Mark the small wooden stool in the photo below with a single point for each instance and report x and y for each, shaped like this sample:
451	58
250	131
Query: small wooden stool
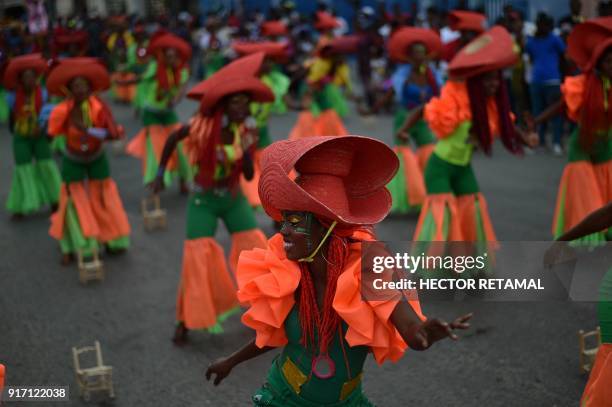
95	378
92	269
587	355
153	215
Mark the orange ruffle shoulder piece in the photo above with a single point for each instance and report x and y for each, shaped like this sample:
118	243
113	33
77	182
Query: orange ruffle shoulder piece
573	94
444	113
267	280
58	118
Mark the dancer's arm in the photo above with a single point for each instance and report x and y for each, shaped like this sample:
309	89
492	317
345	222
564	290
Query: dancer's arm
223	366
415	115
550	112
420	335
596	221
158	184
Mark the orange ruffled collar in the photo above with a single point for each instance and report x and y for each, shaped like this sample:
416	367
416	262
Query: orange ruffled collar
267	280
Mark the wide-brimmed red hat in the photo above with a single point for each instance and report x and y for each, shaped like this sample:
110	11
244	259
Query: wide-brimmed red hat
68	69
279	51
588	41
73	37
169	40
460	20
339	178
22	63
230	82
347	44
404	37
245	66
274	28
490	51
326	21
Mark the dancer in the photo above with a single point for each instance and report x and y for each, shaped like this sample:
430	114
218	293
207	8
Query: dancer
166	78
90	209
414	83
269	73
220	140
466	116
327	73
586	183
36	179
304	288
120	46
597	391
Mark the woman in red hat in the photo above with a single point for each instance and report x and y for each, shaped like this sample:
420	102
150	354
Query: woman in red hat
305	287
586	183
36	179
270	74
328	72
165	80
220	141
120	46
415	81
472	109
90	209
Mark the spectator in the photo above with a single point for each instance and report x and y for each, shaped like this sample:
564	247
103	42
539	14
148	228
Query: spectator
545	51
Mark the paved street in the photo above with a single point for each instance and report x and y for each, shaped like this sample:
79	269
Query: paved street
516	354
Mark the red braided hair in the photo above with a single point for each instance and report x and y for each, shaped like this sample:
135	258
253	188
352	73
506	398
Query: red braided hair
480	115
327	321
595	117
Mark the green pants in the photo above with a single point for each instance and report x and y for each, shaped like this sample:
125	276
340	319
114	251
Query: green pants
26	149
444	177
164	118
206	207
600	152
74	171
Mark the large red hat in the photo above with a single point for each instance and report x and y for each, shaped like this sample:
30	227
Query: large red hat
168	40
21	63
230	82
340	178
588	41
326	21
460	20
245	66
490	51
274	28
406	36
347	44
275	50
68	69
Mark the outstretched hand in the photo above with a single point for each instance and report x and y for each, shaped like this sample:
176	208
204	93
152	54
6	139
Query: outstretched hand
436	329
157	185
221	368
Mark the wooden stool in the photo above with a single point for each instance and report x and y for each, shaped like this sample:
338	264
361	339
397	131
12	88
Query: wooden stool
95	378
587	355
92	269
153	215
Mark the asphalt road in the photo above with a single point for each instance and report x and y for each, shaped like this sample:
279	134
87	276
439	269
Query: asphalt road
516	354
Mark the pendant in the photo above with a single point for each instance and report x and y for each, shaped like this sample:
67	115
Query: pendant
323	367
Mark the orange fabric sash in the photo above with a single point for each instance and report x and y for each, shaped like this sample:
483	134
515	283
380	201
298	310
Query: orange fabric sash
414	177
598	390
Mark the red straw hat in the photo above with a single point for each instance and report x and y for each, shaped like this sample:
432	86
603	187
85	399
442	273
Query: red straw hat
404	37
326	21
232	82
588	41
275	50
274	28
490	51
21	63
70	68
347	44
459	20
340	178
168	40
245	66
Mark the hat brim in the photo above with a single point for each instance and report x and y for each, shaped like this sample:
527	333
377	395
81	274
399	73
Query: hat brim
345	45
168	40
368	199
404	37
274	28
257	90
586	38
95	73
491	51
245	66
460	20
22	63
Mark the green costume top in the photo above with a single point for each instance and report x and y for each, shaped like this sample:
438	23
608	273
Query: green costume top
150	100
